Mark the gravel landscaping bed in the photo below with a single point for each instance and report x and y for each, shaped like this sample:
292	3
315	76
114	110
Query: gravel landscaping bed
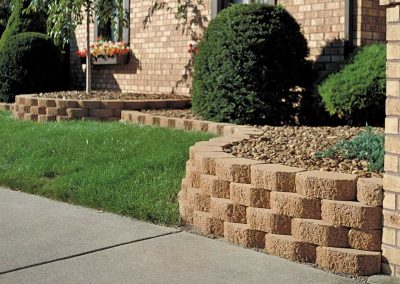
179	113
297	145
107	95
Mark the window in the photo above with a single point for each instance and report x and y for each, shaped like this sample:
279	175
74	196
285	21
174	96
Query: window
113	30
218	5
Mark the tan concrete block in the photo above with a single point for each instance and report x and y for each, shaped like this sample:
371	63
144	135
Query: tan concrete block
214	187
274	177
193	176
63	118
184	124
235	169
370	191
351	214
46	118
167	122
199	125
38	110
203	148
112	104
242	235
88	104
47	103
290	248
206	224
30	117
265	220
370	240
225	209
100	113
198	201
350	261
327	185
205	162
318	232
66	104
248	195
31	101
77	112
295	205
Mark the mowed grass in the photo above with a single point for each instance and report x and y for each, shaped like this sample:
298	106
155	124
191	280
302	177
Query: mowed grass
126	169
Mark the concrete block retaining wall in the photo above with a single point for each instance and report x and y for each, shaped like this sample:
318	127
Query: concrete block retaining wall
331	219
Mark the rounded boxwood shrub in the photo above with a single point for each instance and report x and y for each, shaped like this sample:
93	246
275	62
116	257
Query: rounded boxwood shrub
249	59
357	92
29	63
20	22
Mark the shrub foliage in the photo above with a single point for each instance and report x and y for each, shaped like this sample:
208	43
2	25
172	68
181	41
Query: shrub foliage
249	59
29	62
368	145
357	92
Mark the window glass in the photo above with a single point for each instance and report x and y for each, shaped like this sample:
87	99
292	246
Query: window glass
113	30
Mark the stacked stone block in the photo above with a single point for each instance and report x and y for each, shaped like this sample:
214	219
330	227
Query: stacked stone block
31	108
391	184
331	219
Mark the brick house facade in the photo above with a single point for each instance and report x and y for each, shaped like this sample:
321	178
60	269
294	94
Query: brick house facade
159	59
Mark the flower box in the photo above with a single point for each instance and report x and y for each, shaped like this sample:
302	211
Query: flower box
106	53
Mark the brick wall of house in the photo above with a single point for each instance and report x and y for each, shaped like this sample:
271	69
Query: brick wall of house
160	51
391	182
159	55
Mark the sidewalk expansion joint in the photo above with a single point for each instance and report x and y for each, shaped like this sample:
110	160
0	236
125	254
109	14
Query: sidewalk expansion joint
87	252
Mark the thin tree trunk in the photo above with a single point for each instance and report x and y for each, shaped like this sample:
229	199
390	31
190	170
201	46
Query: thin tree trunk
88	54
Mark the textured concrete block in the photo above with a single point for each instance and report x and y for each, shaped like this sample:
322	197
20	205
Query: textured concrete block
242	235
248	195
30	117
265	220
198	201
205	162
318	232
295	205
100	113
274	177
370	191
46	118
193	176
193	150
327	185
112	104
235	169
89	104
350	261
290	248
206	224
226	210
66	104
167	122
215	187
47	103
54	111
38	110
370	240
351	214
77	112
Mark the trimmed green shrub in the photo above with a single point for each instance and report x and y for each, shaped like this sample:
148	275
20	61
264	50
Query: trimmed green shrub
5	12
249	59
29	63
20	22
357	92
368	145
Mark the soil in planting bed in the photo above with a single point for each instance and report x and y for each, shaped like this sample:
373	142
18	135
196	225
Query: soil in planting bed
107	95
296	146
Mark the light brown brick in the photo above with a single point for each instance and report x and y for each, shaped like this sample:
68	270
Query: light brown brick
370	240
391	183
198	201
205	162
248	195
391	219
351	214
295	205
327	185
370	191
274	177
235	169
389	236
265	220
215	187
242	235
350	261
206	224
318	232
225	209
290	248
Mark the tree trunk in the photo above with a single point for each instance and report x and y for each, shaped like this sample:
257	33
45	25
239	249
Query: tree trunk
88	54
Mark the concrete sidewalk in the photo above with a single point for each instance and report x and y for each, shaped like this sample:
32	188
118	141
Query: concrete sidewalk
43	241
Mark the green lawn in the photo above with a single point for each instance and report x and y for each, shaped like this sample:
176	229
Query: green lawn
125	169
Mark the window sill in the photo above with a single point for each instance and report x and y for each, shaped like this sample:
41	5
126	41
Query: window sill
116	60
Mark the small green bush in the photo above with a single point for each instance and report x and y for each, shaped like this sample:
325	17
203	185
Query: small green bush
357	92
29	62
368	145
20	22
249	59
5	12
